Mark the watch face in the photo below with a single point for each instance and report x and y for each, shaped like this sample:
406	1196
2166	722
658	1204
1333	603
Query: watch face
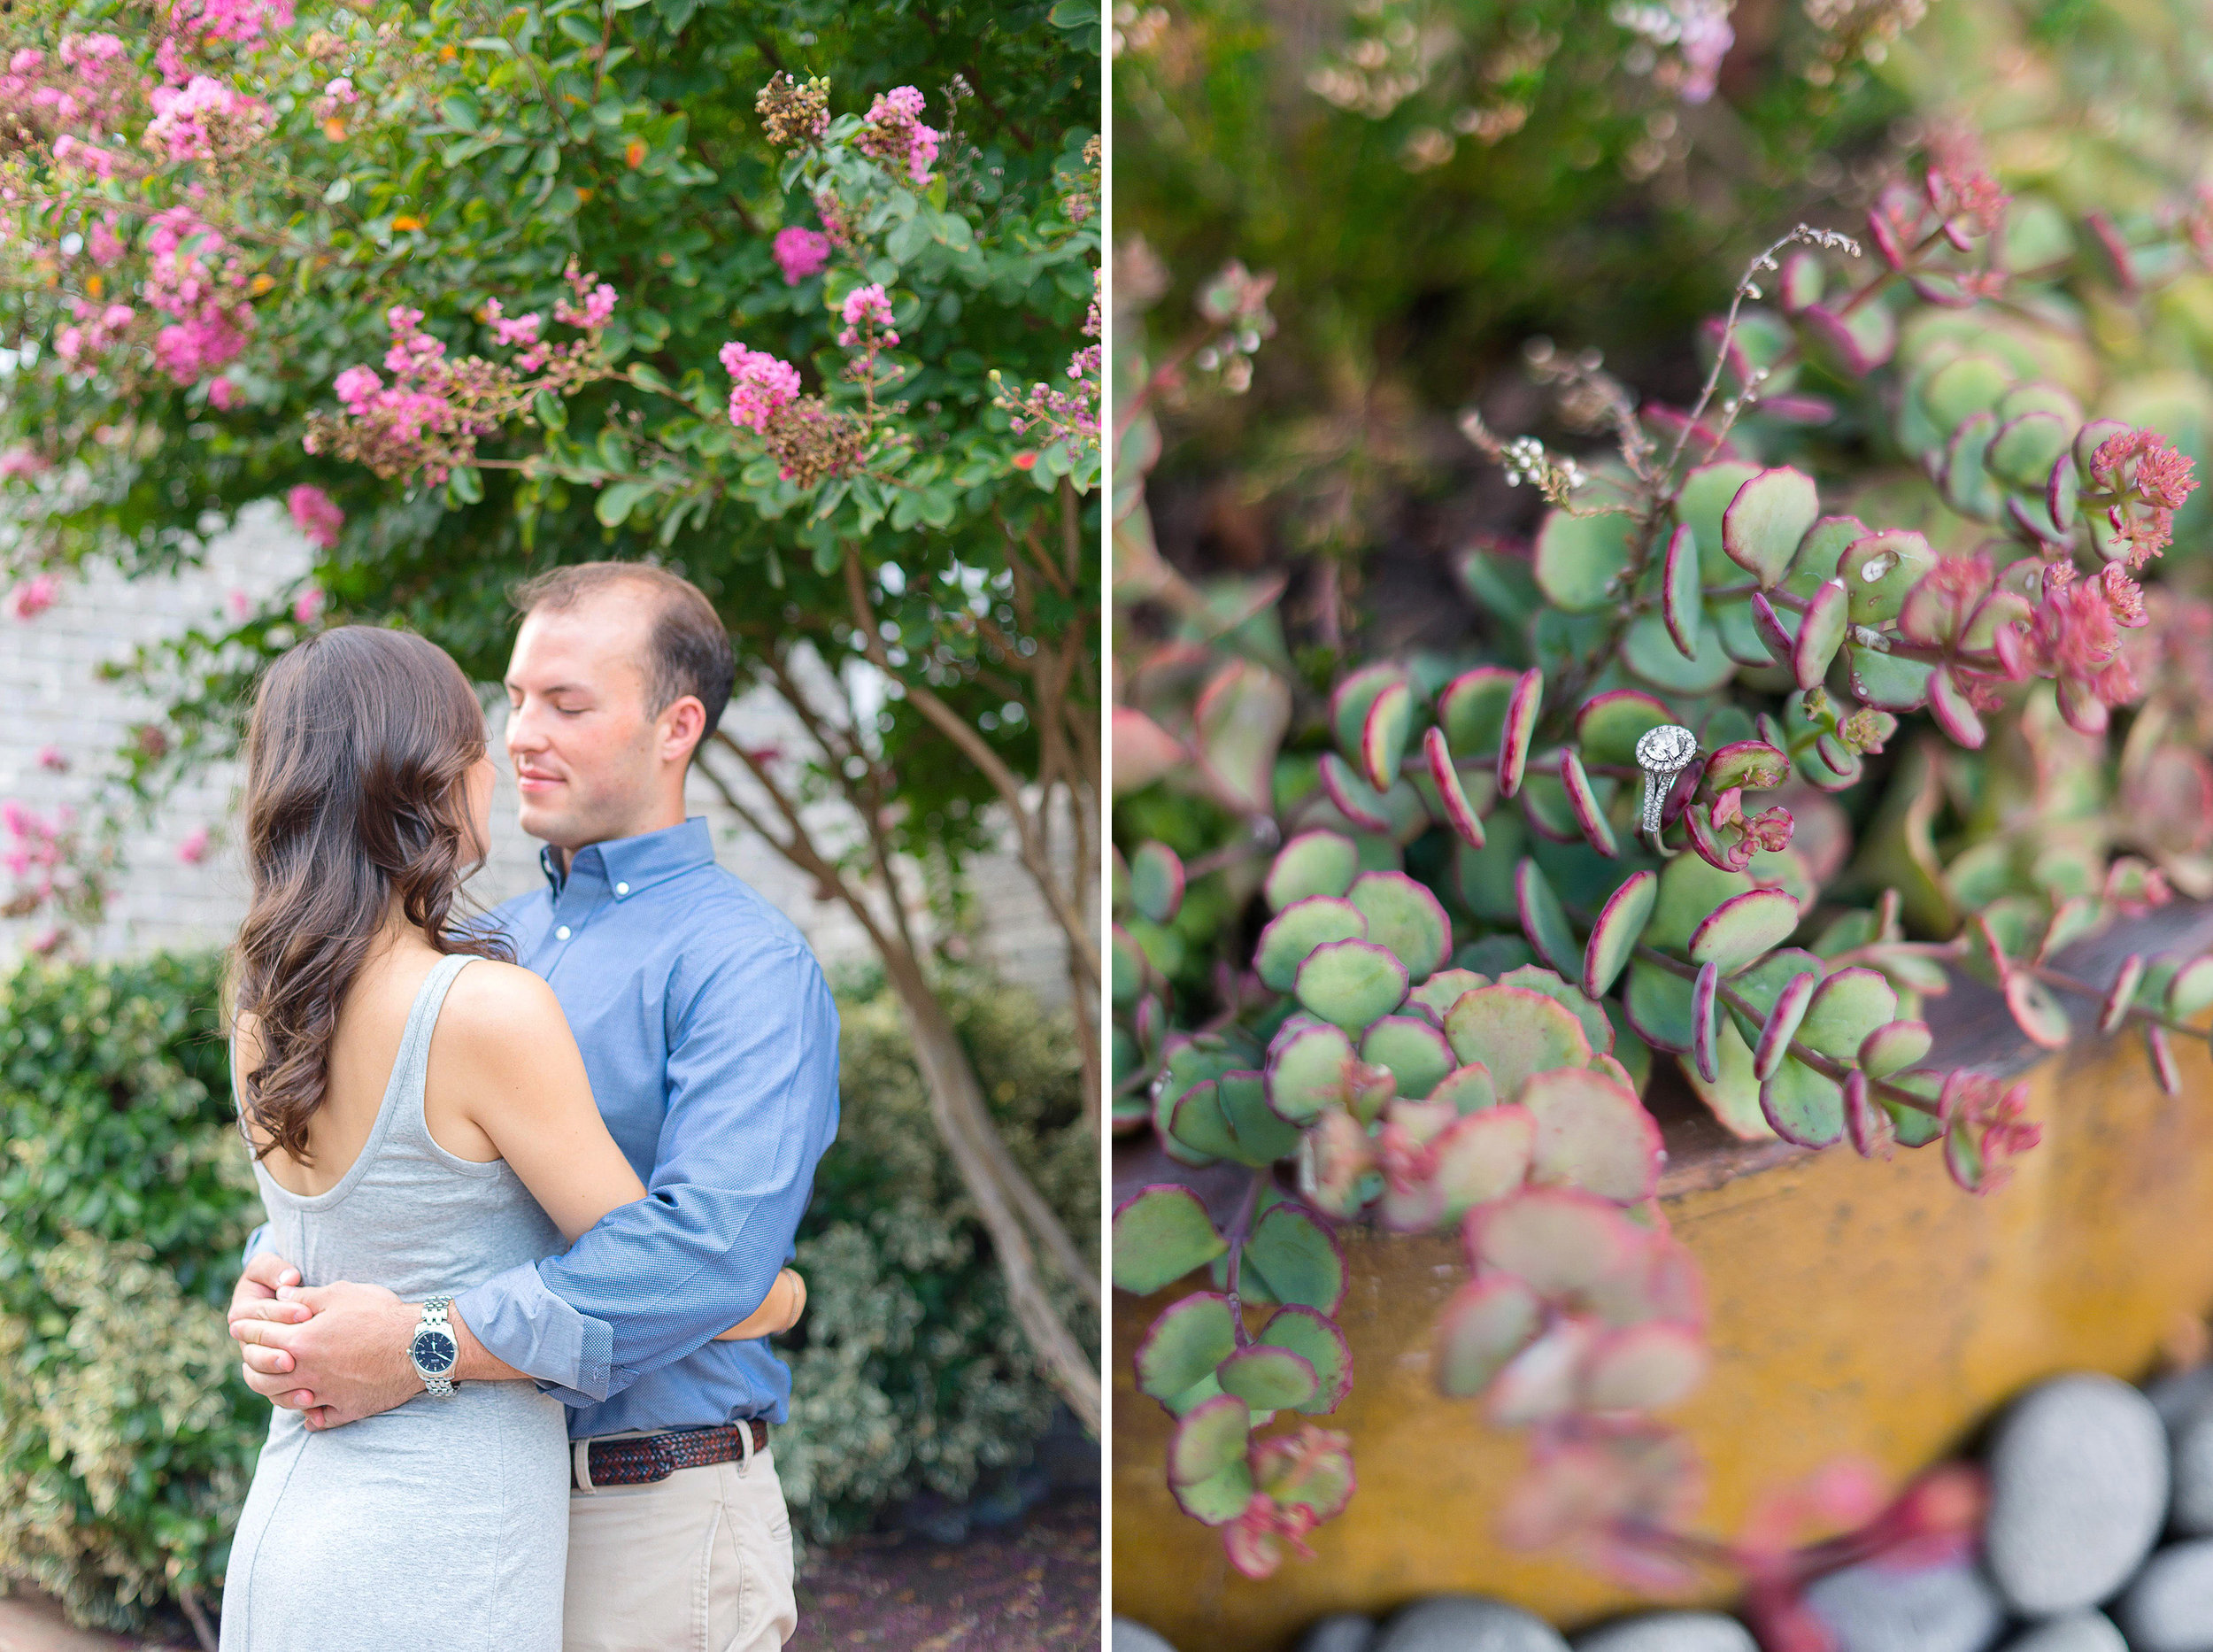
433	1351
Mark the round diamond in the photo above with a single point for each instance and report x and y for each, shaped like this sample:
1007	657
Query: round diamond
1666	749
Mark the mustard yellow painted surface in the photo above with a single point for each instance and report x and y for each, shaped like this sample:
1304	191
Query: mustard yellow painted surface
1868	1308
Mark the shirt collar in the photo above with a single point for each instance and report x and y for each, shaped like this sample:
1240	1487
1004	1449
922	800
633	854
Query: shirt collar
629	864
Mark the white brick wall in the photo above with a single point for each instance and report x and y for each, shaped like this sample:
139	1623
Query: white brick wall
51	695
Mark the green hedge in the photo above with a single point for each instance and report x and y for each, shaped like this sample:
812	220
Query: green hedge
127	1440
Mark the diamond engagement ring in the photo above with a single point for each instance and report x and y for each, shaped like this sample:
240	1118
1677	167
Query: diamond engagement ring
1663	753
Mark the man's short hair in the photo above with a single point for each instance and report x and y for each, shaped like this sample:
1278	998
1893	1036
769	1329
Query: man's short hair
688	652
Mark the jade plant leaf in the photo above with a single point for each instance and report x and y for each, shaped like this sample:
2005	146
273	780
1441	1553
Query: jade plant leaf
1321	1345
1705	1029
1515	1032
1579	558
1880	571
1614	935
1848	1007
1557	1240
1519	729
1358	801
1442	991
1350	983
1195	1123
1309	1066
1764	522
1818	553
1888	681
1954	712
1690	889
1206	1466
1481	1156
1156	882
1593	1134
1542	1380
1350	704
1404	918
1416	1052
1821	630
1609	725
1544	920
1893	1047
1451	797
1801	1105
1184	1345
1700	505
1485	1324
1468	1088
1382	740
1741	928
1241	719
1581	1005
1160	1236
1732	1096
2025	449
1294	1260
1582	799
1649	650
2037	1010
1657	1004
1682	592
1782	1025
1312	864
1644	1368
1471	708
2190	990
1754	765
1299	928
1269	1378
1260	1135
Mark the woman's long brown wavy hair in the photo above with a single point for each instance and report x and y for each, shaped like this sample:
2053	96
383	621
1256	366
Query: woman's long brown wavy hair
355	758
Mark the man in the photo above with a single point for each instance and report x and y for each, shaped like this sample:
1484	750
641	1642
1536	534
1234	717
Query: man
711	1041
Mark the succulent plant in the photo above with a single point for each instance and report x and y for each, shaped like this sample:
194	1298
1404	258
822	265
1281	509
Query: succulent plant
1679	802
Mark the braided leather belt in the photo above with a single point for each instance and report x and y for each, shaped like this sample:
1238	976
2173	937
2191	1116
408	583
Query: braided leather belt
650	1457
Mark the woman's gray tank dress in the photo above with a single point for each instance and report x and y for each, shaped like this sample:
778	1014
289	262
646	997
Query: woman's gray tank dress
441	1523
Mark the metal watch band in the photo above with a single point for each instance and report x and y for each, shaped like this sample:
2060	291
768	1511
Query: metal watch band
438	1384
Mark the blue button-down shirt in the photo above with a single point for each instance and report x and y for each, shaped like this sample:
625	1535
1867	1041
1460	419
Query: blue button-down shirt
710	1040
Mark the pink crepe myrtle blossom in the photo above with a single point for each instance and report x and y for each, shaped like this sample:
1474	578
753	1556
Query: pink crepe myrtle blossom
47	942
867	312
513	329
31	597
800	252
307	607
22	461
339	94
892	131
2148	480
354	386
206	121
237	606
764	386
205	300
316	514
53	758
593	307
222	394
238	21
103	243
192	848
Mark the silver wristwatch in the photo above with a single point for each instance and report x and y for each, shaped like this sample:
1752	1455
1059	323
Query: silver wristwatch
432	1350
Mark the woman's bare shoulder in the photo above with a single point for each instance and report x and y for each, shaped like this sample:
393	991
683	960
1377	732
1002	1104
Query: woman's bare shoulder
501	1005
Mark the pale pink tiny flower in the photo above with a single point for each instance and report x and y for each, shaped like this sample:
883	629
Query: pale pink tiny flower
193	849
54	759
32	597
238	605
315	514
307	607
222	394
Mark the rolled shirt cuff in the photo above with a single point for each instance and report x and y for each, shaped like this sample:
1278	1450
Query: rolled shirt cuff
257	1242
517	1320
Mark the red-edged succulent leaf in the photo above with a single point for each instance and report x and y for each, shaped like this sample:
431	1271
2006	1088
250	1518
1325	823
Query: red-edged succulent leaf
1764	522
1340	1156
1382	739
1644	1368
1895	1047
1614	933
2161	1051
1295	1260
1460	814
1544	1379
1847	1007
1801	1105
1821	630
1486	1322
1471	708
1311	1472
1309	1067
1316	1340
1438	995
1143	750
1589	814
1350	702
1782	1025
2062	489
1519	729
1747	765
1161	1235
1869	1126
1184	1345
1515	1032
1405	919
1743	926
1358	801
1544	920
1468	1088
1596	1027
1269	1378
1241	718
1415	1052
2190	990
1593	1134
1559	1242
1777	639
1609	725
1206	1466
1704	990
1312	864
1156	882
1953	711
1299	928
1682	592
1475	1159
1350	983
2037	1010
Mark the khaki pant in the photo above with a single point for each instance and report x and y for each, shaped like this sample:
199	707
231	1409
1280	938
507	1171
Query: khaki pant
700	1561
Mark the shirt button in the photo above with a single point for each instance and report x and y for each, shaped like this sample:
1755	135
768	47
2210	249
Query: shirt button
561	934
621	889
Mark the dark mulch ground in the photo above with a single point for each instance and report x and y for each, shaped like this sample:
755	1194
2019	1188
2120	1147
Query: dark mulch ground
1030	1585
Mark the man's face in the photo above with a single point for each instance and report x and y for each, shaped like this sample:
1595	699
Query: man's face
587	752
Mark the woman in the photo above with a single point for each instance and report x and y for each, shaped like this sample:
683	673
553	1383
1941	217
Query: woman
420	1117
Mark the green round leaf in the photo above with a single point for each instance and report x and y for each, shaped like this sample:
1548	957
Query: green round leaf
1592	1134
2190	990
1471	709
1579	557
1416	1052
1260	1135
1486	1324
1764	522
1821	630
1519	729
1269	1378
1614	935
1515	1032
1682	592
2026	448
1308	1065
1879	570
1894	1047
1782	1025
1299	928
1481	1156
1382	740
1741	928
1160	1236
1818	551
1321	1345
1690	889
1649	652
1350	983
1848	1007
1312	864
1964	387
1295	1260
1802	1106
1544	920
1587	1010
1468	1088
1184	1345
1556	1240
1700	507
1733	1097
1156	882
1657	1005
1442	991
1349	705
1754	765
1404	918
1645	1368
1609	725
1206	1466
